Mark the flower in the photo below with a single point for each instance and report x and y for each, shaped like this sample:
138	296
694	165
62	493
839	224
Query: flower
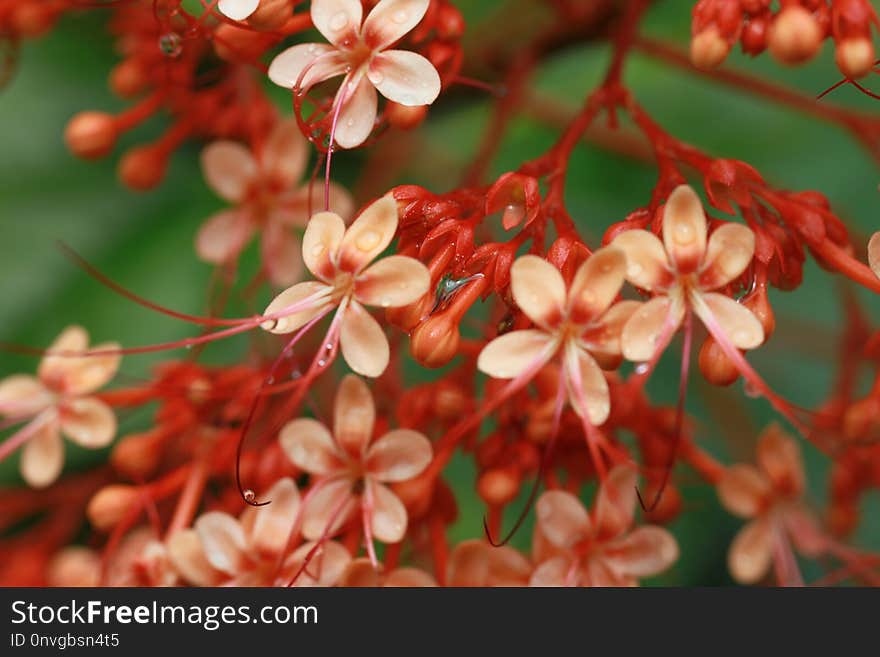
339	259
59	401
770	496
237	10
477	564
362	573
682	271
263	187
360	52
577	548
250	550
352	470
580	322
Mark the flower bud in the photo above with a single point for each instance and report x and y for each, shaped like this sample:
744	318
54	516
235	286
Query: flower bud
498	486
860	418
143	168
855	57
128	78
668	506
843	519
32	19
74	567
716	367
91	135
795	36
137	455
760	306
236	44
435	341
754	35
450	22
709	49
110	504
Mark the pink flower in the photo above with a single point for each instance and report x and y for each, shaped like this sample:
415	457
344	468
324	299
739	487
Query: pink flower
578	548
249	550
477	564
360	53
362	573
338	257
265	190
58	401
682	271
352	470
770	496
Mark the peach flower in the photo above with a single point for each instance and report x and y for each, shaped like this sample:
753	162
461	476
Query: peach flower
360	51
338	257
579	323
598	549
682	271
59	401
361	573
250	550
477	564
769	495
352	470
265	189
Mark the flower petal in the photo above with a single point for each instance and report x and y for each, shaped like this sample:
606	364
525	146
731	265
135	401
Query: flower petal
321	242
237	10
874	253
647	265
354	414
729	252
388	516
645	552
409	578
333	499
314	62
362	340
751	552
398	456
602	339
616	502
188	557
55	370
309	445
270	525
282	255
591	394
23	395
779	456
739	323
596	284
285	153
357	118
640	334
538	289
88	422
360	573
405	77
327	567
337	19
42	457
509	355
474	563
294	296
229	169
743	490
221	238
562	518
392	282
392	19
684	229
223	540
369	235
553	572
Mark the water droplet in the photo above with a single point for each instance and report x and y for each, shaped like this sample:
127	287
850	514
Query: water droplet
376	77
400	16
250	495
170	44
641	368
318	249
350	123
368	240
339	21
271	380
313	48
684	233
385	302
634	269
329	346
741	336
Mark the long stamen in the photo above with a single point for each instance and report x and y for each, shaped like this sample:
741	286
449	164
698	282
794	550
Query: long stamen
24	434
679	415
343	96
367	519
325	535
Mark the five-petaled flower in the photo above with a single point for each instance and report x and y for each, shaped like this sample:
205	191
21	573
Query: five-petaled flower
681	272
59	401
264	186
252	550
574	547
339	258
580	323
352	470
769	495
361	53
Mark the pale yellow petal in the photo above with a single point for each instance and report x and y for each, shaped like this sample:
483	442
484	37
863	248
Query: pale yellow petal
363	343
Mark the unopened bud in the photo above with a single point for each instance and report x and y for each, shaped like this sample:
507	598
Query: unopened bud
91	135
110	504
137	455
270	14
143	168
128	78
795	36
716	367
435	341
855	57
709	49
405	117
498	486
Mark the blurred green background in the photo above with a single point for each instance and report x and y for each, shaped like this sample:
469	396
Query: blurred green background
145	241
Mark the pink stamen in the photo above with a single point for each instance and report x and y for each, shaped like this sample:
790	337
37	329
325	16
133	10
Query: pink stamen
24	434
